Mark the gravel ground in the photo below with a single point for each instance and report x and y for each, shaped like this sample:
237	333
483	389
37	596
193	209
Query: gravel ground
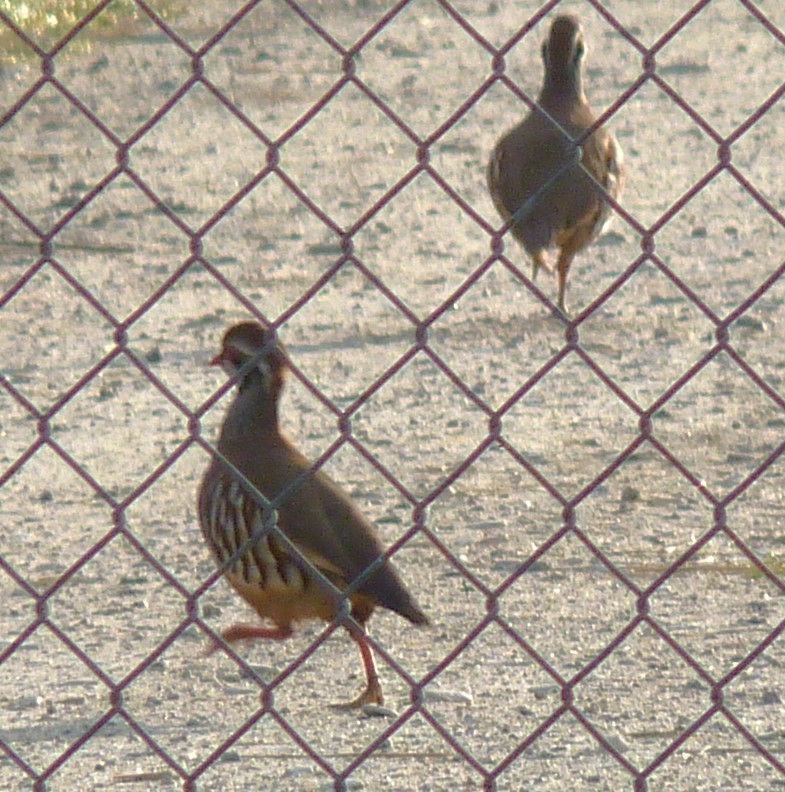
496	527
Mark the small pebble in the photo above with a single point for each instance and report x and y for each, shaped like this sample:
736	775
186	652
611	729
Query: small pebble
544	691
488	525
618	744
377	711
630	494
750	323
24	703
264	672
297	771
451	696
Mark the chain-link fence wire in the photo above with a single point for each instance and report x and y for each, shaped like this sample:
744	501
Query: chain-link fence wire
587	507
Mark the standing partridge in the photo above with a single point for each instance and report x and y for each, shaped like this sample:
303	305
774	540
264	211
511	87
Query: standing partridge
544	176
313	512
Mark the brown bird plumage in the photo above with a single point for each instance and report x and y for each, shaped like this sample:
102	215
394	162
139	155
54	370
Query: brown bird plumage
317	516
535	176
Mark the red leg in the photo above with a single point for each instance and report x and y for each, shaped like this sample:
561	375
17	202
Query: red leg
562	268
245	632
569	247
538	260
373	688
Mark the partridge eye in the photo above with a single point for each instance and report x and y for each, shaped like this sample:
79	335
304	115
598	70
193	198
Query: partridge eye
580	50
233	355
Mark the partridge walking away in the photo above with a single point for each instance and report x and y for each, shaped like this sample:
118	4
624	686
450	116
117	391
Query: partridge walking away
551	191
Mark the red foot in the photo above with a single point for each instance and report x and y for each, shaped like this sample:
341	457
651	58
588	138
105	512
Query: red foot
373	689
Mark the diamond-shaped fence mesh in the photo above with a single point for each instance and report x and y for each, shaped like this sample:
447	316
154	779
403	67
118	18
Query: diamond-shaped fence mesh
588	507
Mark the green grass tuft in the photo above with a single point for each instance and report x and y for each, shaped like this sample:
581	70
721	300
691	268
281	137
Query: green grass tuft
47	21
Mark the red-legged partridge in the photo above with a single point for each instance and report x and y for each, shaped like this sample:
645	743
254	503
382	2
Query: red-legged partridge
317	516
553	193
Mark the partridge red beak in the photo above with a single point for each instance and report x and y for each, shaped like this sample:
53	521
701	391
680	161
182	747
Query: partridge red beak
216	361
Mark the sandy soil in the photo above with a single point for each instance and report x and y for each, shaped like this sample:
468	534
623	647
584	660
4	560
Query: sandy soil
422	260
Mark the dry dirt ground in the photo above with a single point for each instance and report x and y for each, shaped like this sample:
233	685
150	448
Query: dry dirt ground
411	258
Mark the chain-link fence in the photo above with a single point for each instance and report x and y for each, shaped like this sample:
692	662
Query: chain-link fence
587	507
